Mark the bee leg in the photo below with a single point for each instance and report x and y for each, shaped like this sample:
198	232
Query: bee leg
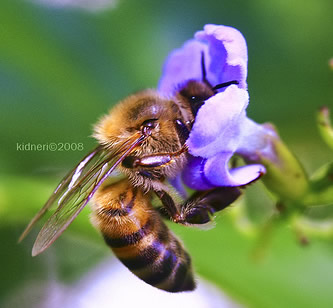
200	207
152	161
169	208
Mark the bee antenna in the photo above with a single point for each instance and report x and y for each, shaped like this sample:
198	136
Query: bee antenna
203	68
225	84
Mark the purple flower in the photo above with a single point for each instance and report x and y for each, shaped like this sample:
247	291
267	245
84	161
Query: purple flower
221	128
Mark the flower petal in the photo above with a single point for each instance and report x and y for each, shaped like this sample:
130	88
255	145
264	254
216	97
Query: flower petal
218	125
225	55
227	52
182	64
203	174
256	141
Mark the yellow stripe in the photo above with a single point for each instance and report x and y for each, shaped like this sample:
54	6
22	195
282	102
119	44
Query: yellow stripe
134	250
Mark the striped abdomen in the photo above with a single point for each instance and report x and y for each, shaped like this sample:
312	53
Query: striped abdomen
140	239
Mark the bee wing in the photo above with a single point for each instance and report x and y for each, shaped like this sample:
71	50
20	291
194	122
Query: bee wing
76	189
60	190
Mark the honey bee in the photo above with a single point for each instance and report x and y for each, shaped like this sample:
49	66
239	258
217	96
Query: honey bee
144	136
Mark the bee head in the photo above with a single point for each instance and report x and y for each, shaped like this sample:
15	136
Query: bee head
146	113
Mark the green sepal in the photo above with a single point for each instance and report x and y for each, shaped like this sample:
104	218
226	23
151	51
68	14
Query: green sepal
285	176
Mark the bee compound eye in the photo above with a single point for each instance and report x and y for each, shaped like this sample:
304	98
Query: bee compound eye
148	125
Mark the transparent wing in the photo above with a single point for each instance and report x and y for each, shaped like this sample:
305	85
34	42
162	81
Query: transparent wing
76	189
60	190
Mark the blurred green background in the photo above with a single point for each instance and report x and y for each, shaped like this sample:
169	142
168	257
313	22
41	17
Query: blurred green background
60	70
